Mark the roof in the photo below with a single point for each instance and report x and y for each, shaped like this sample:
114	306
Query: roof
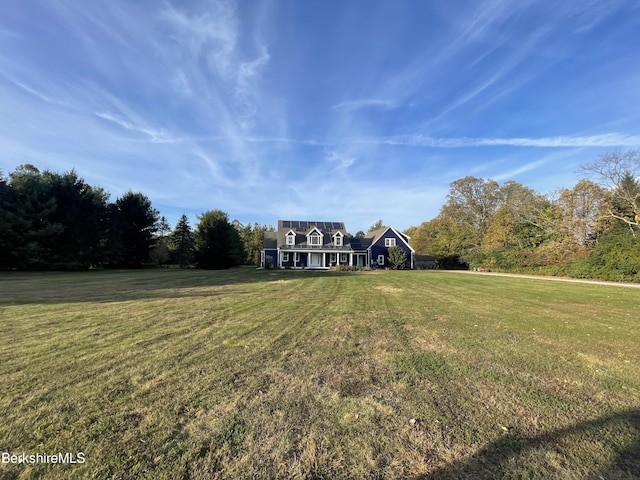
376	234
270	240
360	243
303	227
307	225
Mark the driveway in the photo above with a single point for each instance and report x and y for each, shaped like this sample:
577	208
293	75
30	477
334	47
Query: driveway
552	279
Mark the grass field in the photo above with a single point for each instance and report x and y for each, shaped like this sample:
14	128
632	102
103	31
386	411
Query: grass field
170	374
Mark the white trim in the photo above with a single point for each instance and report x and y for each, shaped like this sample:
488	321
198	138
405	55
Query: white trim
399	235
318	235
285	256
380	259
290	235
338	239
319	257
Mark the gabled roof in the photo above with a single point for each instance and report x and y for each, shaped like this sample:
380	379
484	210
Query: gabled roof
381	232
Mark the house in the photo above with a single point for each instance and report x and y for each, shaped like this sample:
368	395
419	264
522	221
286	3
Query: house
321	245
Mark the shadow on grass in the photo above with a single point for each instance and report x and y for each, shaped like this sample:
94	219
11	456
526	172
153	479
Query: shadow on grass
497	459
103	286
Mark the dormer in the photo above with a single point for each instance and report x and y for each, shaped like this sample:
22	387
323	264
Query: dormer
338	239
290	238
314	237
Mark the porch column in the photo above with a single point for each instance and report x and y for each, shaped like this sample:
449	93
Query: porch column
351	259
324	259
308	259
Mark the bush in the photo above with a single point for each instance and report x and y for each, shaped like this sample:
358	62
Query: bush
397	258
344	268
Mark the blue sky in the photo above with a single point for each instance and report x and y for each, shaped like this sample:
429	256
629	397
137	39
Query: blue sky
328	110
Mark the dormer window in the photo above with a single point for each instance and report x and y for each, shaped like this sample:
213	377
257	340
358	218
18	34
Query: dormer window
291	238
337	239
315	239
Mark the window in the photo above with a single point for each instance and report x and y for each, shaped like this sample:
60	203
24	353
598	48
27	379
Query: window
338	241
332	257
389	242
380	259
296	257
315	239
285	257
343	257
291	239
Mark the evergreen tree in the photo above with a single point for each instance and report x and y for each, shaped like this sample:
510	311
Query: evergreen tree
34	224
132	225
8	237
218	243
397	258
182	242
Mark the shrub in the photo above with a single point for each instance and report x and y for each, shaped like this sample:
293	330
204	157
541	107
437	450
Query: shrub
397	258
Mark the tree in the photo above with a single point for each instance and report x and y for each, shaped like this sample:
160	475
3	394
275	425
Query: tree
580	208
80	210
520	221
8	237
252	238
376	226
218	244
619	173
472	202
133	223
34	224
397	258
360	234
182	242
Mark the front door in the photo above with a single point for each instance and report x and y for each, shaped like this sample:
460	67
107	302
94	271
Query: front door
315	260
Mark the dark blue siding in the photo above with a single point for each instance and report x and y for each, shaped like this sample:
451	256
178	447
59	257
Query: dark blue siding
378	248
274	257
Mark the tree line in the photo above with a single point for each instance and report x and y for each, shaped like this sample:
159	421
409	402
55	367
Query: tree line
52	220
587	231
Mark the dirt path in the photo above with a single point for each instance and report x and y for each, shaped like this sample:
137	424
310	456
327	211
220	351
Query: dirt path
553	279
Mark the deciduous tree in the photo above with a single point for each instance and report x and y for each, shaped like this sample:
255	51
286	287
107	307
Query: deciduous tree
619	173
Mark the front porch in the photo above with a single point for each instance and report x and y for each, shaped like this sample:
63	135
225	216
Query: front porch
319	260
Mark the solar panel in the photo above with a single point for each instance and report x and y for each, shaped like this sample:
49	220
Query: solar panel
286	224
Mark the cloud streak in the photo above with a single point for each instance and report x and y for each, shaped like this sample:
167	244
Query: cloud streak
601	140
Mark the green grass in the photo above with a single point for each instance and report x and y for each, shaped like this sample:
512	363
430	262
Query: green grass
169	374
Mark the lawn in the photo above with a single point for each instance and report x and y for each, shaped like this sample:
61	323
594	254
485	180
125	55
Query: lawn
170	374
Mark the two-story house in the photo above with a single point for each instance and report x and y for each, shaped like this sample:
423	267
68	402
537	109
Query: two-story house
307	244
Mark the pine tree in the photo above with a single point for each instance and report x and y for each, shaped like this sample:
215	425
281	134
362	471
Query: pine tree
182	242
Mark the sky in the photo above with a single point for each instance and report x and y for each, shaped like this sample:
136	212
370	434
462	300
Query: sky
334	110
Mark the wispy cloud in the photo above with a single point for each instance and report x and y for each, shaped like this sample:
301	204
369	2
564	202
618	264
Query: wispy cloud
155	136
31	90
601	140
364	103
